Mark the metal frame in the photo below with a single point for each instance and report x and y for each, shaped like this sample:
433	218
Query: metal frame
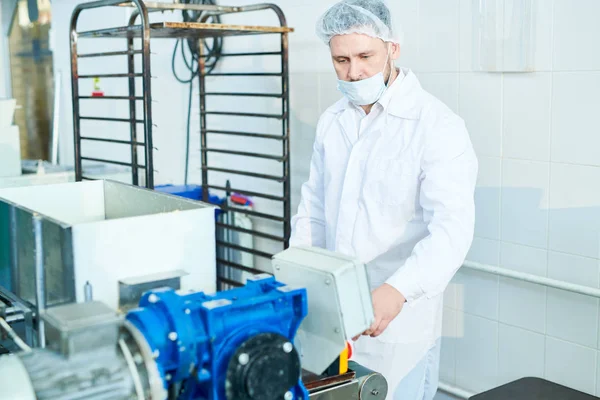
144	30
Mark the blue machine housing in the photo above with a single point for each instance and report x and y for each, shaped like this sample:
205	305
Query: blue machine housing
194	336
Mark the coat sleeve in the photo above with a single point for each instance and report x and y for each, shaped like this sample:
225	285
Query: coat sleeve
308	225
449	172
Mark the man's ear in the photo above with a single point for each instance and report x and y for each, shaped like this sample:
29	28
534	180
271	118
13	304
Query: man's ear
395	53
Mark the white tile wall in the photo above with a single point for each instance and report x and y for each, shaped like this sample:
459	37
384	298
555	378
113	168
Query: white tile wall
522	304
544	10
570	364
405	20
575	101
525	198
526	107
465	17
438	35
571	316
477	293
574	210
521	353
524	258
448	350
575	30
487	198
444	86
477	353
480	104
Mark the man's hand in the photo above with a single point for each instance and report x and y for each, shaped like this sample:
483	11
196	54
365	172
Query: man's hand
387	304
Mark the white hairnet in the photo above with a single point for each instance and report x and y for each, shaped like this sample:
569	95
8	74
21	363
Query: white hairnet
369	17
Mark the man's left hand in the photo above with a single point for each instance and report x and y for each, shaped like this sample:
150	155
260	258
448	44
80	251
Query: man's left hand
387	304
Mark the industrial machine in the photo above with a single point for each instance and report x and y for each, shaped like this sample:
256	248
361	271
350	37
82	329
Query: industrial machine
124	335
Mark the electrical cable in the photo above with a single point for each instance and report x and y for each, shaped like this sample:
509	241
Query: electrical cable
212	55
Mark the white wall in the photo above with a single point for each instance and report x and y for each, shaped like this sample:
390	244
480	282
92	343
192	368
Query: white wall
538	196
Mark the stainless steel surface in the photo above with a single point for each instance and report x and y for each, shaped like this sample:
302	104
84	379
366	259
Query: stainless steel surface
79	220
55	119
14	254
372	385
40	279
131	290
125	201
347	391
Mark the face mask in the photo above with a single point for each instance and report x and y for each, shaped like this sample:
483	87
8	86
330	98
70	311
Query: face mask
366	91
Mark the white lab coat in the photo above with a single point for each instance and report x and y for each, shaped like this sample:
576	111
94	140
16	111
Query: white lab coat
394	188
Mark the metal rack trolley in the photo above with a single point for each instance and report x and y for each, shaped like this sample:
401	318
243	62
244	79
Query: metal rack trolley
201	30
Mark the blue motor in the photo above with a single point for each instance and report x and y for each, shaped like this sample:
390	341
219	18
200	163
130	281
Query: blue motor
234	345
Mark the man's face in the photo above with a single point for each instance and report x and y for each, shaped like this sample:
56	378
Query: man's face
356	57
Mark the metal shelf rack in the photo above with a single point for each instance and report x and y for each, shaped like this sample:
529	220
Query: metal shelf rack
138	141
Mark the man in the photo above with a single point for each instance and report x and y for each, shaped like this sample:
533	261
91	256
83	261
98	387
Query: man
392	182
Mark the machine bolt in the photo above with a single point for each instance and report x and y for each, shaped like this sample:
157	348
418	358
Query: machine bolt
288	395
277	267
328	282
288	347
375	392
155	353
173	336
337	330
168	377
187	311
138	358
153	298
243	359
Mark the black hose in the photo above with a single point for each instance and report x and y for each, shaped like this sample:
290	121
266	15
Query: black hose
211	56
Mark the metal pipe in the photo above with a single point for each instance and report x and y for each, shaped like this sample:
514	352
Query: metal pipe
132	110
125	164
139	121
56	119
246	173
239	266
540	280
287	212
250	232
245	249
455	391
181	6
252	213
241	114
75	93
248	193
244	134
129	75
263	53
244	74
95	139
110	98
142	13
244	153
109	54
40	279
202	100
273	95
14	251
